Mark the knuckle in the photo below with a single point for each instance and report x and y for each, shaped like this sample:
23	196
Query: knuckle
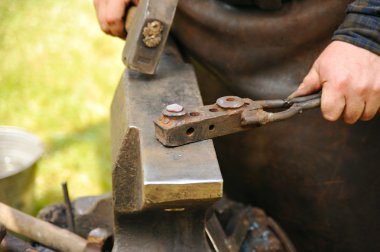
330	117
367	116
307	79
360	89
104	27
112	20
376	89
350	119
343	81
329	114
331	111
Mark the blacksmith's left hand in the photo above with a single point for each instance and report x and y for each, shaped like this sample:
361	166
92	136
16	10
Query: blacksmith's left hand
349	77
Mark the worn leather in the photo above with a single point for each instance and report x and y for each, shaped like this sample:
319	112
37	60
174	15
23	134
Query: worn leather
318	179
250	49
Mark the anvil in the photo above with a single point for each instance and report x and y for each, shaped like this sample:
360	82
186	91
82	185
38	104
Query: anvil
160	194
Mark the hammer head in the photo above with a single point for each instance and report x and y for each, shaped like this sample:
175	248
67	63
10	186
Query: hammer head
148	34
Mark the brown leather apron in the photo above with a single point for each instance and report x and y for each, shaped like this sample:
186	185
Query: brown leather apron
320	180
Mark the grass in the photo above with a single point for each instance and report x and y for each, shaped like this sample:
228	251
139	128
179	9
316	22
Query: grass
58	72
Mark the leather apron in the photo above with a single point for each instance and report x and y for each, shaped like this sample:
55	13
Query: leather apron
319	180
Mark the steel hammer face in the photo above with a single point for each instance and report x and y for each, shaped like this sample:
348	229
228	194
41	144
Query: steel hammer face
148	34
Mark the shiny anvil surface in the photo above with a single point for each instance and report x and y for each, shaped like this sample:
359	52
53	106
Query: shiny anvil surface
145	173
160	194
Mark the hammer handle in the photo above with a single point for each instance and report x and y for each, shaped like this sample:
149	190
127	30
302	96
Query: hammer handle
40	231
129	17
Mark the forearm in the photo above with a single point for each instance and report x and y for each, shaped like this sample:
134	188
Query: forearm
361	26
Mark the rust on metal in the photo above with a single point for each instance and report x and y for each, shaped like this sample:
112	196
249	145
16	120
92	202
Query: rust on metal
97	239
230	114
230	102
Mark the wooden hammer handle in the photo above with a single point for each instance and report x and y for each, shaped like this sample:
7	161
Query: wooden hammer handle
129	17
40	231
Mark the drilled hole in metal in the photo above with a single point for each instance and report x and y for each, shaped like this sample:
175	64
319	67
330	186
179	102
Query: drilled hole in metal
213	110
194	113
190	131
211	127
230	99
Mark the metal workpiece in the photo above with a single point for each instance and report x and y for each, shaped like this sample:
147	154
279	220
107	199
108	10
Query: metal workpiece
230	102
230	114
159	194
147	35
174	110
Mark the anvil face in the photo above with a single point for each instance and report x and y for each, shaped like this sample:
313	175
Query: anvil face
145	173
160	194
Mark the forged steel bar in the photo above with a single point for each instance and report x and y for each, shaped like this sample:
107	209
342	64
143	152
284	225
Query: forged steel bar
230	114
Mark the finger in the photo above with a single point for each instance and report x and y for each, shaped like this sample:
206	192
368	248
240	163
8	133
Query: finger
353	110
101	10
310	84
332	102
115	16
370	110
135	2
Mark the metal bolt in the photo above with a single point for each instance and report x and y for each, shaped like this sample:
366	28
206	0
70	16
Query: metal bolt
152	34
230	102
175	108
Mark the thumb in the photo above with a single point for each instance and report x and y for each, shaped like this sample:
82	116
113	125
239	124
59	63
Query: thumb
310	84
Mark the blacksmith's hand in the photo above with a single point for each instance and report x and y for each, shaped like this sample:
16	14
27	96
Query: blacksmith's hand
349	77
111	15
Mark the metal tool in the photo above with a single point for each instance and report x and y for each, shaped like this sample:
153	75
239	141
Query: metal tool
230	114
147	34
160	195
232	226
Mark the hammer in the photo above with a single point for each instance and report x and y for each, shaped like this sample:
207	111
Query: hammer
148	27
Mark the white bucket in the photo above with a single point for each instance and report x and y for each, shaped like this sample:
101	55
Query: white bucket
19	152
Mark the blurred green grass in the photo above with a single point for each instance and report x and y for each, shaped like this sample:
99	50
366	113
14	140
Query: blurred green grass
58	72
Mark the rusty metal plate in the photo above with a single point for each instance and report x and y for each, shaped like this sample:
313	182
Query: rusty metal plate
230	114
